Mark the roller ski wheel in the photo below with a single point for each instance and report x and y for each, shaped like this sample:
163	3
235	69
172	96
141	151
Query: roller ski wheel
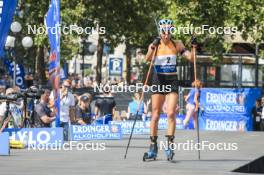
169	154
170	147
149	156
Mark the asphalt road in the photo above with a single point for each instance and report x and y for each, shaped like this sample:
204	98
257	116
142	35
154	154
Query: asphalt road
110	161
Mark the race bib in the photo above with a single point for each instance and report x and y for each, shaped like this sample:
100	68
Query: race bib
165	64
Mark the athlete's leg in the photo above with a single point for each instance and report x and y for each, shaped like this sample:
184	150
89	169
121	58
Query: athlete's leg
157	102
195	119
172	101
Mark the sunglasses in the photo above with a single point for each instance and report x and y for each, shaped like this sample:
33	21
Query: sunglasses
67	86
164	33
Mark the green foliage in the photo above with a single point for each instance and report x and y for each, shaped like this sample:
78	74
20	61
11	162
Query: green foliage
88	72
247	16
132	22
31	13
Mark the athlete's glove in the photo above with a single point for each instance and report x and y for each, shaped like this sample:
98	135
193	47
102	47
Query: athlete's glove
194	42
156	41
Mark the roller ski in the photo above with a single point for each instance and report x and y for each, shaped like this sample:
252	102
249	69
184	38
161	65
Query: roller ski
153	150
170	147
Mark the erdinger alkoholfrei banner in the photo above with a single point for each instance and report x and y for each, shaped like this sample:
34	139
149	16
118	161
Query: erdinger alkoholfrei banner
52	26
227	109
7	9
143	127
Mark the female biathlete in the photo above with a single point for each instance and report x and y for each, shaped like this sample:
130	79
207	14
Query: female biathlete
164	74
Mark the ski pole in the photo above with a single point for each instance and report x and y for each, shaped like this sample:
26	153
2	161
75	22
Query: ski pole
197	105
142	93
141	99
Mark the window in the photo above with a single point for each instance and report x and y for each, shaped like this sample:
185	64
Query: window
248	75
86	66
229	75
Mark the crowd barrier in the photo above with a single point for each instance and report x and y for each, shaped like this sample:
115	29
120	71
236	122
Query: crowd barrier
220	109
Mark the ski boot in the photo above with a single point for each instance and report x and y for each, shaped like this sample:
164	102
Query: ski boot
153	149
170	147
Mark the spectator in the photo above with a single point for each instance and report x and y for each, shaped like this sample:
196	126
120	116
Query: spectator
83	111
105	106
88	82
134	106
29	80
67	104
262	115
85	81
5	81
43	116
79	84
256	111
114	81
76	99
73	84
2	88
192	100
20	101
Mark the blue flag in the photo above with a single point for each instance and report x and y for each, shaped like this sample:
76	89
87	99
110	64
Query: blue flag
7	9
53	26
20	72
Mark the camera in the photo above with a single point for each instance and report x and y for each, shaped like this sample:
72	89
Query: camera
11	97
33	92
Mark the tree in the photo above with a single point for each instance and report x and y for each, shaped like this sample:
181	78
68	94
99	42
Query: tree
247	16
140	29
198	13
125	22
32	14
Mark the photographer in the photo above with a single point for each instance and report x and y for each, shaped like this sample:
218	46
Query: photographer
43	115
15	110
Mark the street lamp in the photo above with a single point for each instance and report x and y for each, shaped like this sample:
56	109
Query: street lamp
27	42
10	42
16	27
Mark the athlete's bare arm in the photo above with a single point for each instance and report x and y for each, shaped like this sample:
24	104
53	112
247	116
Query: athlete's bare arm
151	50
185	53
